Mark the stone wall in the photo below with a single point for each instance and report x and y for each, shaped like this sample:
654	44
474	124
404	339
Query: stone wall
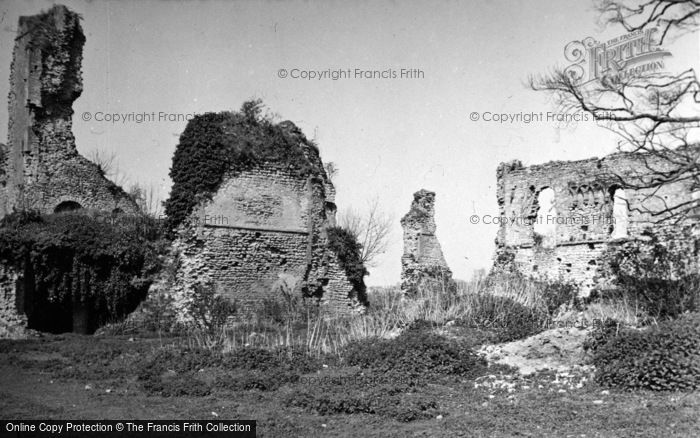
592	209
422	262
12	319
41	168
261	234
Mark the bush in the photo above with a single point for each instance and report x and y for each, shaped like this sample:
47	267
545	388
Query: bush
659	275
666	357
507	318
214	144
210	311
80	257
554	294
165	370
158	313
601	335
415	354
180	385
364	394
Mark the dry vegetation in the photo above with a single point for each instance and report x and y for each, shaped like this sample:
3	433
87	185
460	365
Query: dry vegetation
389	372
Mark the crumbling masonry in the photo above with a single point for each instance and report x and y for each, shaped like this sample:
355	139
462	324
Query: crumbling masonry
40	168
560	217
262	236
422	264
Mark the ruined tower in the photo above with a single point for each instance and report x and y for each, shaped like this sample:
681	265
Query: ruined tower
40	168
262	235
422	263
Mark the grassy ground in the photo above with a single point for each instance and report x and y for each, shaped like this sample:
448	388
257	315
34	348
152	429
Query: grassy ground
70	376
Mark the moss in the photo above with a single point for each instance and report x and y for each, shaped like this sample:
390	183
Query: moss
214	145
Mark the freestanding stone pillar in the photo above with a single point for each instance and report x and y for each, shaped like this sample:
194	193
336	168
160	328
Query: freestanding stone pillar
423	265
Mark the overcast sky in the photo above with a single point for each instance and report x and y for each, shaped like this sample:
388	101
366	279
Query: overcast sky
389	137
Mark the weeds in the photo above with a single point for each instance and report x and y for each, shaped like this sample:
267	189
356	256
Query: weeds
507	308
662	357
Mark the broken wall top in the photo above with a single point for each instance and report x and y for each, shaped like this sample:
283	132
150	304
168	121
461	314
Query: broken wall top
423	262
583	196
215	149
53	42
422	211
41	168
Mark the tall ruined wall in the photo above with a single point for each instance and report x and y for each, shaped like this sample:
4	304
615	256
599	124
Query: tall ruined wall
41	168
422	261
591	210
262	234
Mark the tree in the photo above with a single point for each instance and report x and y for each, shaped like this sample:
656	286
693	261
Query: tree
656	114
331	170
371	230
146	199
108	166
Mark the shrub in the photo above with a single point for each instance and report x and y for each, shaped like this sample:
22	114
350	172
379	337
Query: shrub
254	379
180	385
210	311
364	394
659	275
554	294
507	318
80	257
158	313
243	369
214	144
666	357
415	354
601	334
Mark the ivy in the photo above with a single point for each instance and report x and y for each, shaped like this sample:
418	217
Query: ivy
214	145
343	243
76	257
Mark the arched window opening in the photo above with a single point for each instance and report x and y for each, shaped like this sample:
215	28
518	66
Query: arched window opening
620	213
695	211
67	206
545	226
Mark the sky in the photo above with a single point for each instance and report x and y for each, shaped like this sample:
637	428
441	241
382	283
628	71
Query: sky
388	136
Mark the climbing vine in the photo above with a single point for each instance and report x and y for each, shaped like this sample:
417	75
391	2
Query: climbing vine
215	144
75	257
343	243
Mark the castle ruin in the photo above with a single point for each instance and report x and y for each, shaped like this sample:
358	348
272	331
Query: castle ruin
40	167
559	218
263	235
422	264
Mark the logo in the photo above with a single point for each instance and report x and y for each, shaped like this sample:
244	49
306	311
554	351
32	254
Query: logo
630	55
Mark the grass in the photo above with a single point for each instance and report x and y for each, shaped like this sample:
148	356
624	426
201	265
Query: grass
37	382
509	307
302	372
304	325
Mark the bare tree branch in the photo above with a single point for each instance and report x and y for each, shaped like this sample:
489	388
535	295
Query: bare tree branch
371	230
656	115
146	198
671	16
